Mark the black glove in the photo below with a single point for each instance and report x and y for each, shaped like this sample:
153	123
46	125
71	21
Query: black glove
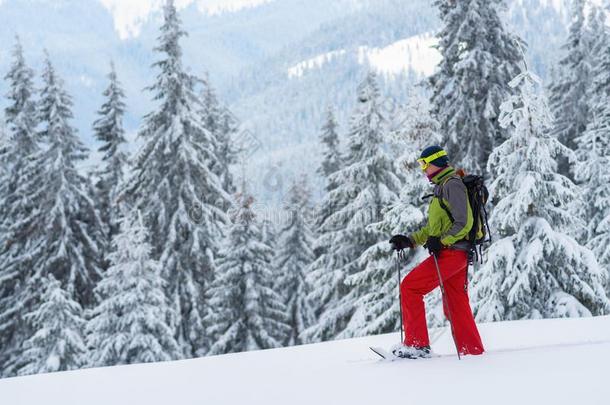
434	245
400	242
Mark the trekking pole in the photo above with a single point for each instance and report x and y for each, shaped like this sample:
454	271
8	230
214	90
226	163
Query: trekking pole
398	256
446	305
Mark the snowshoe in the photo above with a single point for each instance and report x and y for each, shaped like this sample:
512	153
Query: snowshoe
411	352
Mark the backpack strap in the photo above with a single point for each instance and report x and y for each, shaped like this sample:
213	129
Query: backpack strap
440	196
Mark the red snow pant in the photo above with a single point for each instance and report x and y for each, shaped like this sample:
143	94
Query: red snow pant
422	280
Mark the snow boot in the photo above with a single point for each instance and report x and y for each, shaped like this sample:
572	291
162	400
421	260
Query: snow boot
411	352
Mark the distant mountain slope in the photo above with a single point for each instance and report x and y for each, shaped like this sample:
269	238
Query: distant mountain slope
250	53
283	98
81	38
554	361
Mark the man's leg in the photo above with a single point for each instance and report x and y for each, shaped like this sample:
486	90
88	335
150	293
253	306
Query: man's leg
421	281
466	332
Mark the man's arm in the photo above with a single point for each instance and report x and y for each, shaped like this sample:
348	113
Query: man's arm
421	236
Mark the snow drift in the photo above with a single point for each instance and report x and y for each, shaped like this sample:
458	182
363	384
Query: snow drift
559	361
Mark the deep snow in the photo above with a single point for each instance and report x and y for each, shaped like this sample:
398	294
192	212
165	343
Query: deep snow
561	361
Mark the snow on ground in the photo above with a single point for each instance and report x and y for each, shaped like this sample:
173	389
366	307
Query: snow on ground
561	361
416	53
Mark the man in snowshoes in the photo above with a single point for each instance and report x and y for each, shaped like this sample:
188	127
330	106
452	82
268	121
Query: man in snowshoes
450	219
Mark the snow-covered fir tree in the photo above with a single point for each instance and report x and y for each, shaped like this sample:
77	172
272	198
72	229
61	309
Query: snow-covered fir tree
18	146
226	151
66	230
534	268
245	312
331	156
220	122
568	93
479	58
57	342
129	325
331	163
20	119
294	255
108	130
593	149
4	142
268	230
175	188
54	229
378	308
365	186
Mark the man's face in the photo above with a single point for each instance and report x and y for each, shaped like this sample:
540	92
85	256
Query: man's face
431	169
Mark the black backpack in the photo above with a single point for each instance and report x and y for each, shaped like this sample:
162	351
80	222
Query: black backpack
479	234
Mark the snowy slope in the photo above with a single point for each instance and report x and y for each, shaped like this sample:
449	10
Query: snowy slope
562	361
416	53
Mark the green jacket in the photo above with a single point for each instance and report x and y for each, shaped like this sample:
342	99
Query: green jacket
450	188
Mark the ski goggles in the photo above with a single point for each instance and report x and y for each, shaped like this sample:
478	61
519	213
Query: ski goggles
424	163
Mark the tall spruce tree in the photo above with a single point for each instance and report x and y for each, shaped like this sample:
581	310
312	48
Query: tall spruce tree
176	189
331	163
227	152
66	227
4	142
331	156
20	117
293	258
54	229
57	342
245	312
535	268
129	325
219	121
19	145
365	186
593	148
568	94
108	129
268	231
378	308
479	58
